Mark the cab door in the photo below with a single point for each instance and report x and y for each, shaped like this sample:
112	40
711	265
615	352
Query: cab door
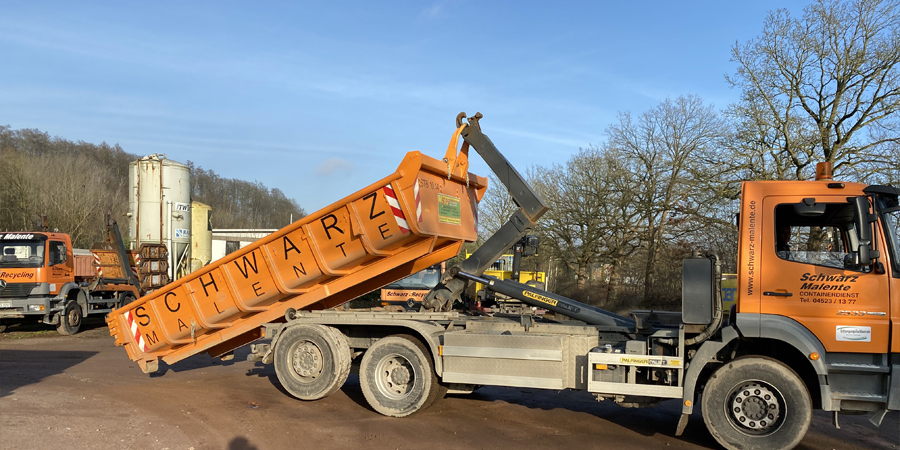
889	235
813	279
60	264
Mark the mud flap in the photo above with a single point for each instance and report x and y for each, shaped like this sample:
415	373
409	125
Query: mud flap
682	424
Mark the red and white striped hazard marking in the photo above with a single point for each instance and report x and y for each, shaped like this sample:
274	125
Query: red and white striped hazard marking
97	262
395	208
418	204
136	332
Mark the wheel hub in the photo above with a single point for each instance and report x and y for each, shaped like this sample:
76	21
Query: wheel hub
307	360
400	375
396	377
73	317
755	407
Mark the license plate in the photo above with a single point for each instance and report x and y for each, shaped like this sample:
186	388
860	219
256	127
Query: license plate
5	304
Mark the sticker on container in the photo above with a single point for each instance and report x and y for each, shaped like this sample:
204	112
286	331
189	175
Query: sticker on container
449	210
182	207
182	233
853	334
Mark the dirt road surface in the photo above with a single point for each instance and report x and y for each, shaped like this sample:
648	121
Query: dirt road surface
82	392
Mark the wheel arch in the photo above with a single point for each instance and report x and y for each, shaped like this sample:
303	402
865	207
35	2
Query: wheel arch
777	337
786	340
71	291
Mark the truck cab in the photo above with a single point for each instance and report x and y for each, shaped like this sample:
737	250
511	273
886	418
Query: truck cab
819	289
38	274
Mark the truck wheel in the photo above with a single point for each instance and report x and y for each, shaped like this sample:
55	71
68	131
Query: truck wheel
397	376
756	403
70	319
125	298
312	361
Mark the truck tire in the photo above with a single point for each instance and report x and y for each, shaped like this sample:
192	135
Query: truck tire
397	376
125	298
70	319
312	361
756	403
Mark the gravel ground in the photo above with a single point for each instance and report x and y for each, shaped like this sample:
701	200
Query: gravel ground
82	392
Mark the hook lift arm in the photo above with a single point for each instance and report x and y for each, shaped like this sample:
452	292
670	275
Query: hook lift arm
531	208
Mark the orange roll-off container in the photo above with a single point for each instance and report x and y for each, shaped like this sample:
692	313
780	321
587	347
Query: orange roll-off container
418	216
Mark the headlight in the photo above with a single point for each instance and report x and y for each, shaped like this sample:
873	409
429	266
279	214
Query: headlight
36	308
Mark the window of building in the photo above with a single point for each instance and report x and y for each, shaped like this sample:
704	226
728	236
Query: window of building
232	246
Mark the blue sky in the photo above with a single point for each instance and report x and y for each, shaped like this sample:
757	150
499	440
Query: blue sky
320	99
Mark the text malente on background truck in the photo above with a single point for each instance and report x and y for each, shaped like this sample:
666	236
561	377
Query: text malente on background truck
813	327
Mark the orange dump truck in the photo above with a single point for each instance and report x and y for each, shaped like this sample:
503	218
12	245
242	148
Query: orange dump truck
815	323
414	218
43	278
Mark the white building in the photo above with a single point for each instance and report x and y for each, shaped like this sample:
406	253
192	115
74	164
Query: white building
225	241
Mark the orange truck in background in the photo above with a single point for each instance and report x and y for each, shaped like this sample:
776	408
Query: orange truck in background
815	325
408	293
43	277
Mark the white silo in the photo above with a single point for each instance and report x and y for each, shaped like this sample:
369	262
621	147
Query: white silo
159	208
201	235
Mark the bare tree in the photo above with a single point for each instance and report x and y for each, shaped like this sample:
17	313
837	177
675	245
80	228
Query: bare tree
78	195
824	87
494	208
16	189
660	150
592	222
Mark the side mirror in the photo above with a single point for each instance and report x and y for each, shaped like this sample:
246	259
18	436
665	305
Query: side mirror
863	257
864	230
862	219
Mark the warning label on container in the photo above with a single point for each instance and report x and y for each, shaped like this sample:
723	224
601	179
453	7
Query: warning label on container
449	210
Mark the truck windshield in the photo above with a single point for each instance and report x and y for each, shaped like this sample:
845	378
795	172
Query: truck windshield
425	279
21	254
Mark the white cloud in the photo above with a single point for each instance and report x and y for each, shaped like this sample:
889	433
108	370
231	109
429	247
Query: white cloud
544	137
333	165
433	10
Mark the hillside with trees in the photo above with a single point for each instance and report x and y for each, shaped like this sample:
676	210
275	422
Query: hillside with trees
75	184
